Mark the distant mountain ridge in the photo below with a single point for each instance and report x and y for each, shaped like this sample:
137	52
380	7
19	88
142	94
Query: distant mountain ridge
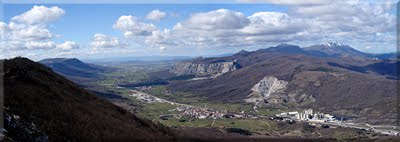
75	69
330	50
335	49
156	58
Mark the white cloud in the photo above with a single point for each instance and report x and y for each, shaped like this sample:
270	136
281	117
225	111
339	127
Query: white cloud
217	19
3	30
273	23
163	48
101	41
39	45
28	32
225	28
12	45
158	38
67	45
131	26
29	29
156	15
306	22
351	19
40	14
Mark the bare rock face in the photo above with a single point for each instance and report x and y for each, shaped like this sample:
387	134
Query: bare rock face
203	69
263	91
272	92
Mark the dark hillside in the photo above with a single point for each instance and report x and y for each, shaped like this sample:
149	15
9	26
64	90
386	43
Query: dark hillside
42	105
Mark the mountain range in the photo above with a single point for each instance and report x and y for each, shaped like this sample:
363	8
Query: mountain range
332	78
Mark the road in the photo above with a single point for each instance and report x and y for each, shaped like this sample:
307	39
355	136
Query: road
383	129
142	95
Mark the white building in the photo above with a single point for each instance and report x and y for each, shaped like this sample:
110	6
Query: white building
307	115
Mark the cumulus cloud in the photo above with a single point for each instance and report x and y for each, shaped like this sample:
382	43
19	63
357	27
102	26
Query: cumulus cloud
227	28
217	19
156	15
40	14
309	21
101	41
39	45
159	38
131	26
349	19
30	28
273	23
67	45
29	31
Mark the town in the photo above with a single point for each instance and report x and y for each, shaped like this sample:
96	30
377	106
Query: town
189	111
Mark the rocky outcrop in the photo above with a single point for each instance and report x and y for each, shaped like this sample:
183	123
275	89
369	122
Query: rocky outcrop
204	69
262	91
270	91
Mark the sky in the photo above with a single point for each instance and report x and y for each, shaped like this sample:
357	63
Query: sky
122	29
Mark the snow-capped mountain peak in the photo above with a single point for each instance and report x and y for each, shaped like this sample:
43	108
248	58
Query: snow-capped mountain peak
332	44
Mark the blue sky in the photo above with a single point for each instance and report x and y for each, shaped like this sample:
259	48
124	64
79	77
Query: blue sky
91	30
95	18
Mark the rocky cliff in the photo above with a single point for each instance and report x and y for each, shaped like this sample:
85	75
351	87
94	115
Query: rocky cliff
204	69
262	91
270	91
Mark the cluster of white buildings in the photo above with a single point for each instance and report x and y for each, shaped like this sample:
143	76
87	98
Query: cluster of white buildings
145	97
307	115
203	113
200	113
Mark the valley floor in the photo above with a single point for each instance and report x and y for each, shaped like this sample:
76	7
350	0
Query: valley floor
163	107
182	110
